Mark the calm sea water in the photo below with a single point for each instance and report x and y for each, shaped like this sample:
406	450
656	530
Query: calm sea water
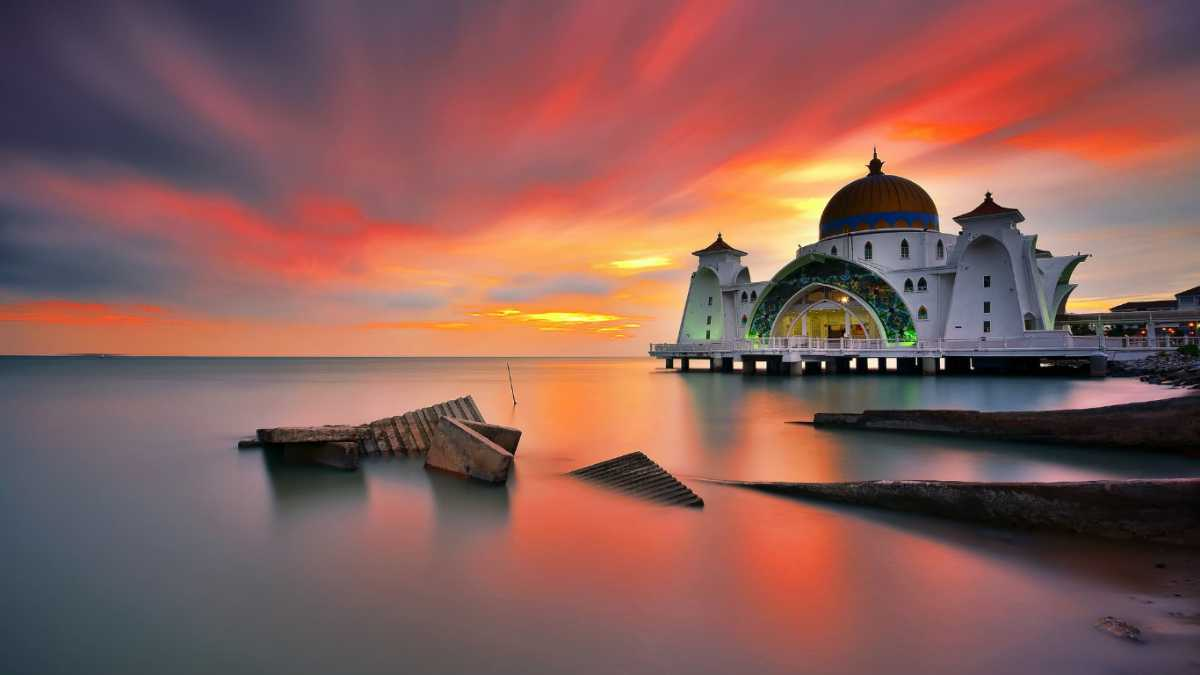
137	539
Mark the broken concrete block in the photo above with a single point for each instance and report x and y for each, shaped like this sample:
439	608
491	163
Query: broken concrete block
333	433
337	454
460	449
505	437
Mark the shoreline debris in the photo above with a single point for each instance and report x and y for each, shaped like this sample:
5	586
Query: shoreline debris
1167	425
1157	510
451	436
639	476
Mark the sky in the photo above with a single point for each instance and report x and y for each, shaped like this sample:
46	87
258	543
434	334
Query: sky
529	178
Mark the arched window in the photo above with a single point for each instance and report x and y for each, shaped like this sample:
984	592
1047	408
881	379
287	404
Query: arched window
921	285
922	314
903	248
941	249
744	296
868	251
753	296
908	286
744	319
833	251
1029	321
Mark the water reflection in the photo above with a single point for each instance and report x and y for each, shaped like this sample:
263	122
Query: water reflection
299	488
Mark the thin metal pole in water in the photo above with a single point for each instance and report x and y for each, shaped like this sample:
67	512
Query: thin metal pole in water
510	384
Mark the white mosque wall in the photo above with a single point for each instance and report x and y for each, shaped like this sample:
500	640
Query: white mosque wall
703	314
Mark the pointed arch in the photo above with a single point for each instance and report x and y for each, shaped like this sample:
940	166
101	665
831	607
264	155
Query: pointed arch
904	248
941	250
868	251
744	296
833	251
922	286
908	286
922	313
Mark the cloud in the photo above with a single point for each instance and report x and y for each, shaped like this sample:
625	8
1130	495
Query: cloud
527	288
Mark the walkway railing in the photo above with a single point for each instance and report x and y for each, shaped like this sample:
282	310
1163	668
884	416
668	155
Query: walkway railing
1043	340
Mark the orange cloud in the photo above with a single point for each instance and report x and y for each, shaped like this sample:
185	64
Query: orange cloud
72	313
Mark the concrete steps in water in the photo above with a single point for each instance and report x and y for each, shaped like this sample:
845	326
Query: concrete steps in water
637	475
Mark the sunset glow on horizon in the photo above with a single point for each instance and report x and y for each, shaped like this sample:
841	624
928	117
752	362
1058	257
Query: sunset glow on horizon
521	178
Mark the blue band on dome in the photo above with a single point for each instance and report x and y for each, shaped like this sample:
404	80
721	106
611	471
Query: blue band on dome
840	225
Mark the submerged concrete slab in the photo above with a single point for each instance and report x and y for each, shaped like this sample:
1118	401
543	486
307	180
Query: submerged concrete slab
336	454
1169	425
332	433
1157	510
459	449
638	475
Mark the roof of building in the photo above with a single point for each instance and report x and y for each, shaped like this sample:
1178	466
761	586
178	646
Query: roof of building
1143	305
718	246
878	201
1195	290
988	207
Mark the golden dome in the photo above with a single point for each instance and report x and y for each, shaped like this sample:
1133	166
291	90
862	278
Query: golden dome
878	201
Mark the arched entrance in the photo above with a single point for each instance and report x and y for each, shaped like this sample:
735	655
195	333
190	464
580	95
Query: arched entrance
824	311
876	307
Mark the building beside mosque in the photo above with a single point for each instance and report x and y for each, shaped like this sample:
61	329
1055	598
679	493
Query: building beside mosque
884	271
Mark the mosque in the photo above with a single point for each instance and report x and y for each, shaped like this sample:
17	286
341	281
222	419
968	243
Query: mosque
884	274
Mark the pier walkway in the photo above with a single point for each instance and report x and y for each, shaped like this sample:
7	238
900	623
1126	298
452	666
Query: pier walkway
1023	353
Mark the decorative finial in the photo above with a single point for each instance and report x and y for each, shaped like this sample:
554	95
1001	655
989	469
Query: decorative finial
876	164
987	196
718	235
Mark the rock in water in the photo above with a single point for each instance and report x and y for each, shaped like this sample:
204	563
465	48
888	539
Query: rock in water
1118	628
638	475
465	448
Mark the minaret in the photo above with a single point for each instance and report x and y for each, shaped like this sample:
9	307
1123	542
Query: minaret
720	265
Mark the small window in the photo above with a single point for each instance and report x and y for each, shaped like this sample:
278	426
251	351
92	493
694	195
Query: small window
707	335
941	250
987	326
868	251
708	321
987	307
753	296
1029	321
744	296
921	285
987	281
744	319
833	251
922	314
908	287
710	301
903	248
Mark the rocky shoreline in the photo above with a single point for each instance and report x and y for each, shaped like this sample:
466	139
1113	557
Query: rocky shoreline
1169	368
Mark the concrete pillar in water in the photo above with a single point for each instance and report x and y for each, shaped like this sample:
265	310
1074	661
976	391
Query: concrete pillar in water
774	365
684	365
748	365
958	364
929	365
1098	365
881	364
785	368
841	364
860	364
812	367
908	365
670	363
727	364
